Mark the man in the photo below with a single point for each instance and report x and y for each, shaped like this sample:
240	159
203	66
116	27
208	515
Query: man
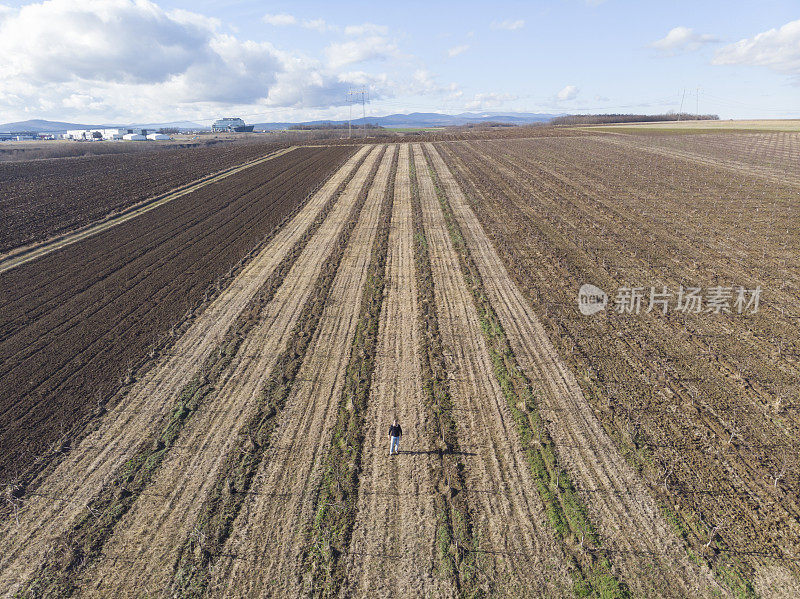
395	432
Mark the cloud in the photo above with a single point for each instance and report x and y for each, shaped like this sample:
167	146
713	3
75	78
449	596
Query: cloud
423	82
777	49
508	25
285	20
317	24
373	47
280	20
569	92
131	60
489	100
683	39
366	29
456	50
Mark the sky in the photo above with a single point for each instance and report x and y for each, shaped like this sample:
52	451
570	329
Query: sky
139	61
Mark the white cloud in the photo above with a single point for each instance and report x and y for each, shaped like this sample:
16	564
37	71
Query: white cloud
285	20
567	93
778	49
489	100
366	29
317	24
127	60
456	50
280	20
508	25
373	47
423	82
683	39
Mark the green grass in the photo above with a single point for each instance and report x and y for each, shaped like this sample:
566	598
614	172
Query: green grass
565	511
456	537
335	501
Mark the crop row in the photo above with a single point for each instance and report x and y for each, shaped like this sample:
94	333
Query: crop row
82	543
220	509
564	508
332	528
657	382
76	323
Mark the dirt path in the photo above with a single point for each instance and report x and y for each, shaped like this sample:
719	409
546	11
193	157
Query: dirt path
263	553
140	555
644	547
19	256
522	556
62	497
393	540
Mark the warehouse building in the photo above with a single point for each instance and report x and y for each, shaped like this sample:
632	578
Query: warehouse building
231	125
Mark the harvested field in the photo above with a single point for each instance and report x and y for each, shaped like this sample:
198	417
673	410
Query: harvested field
546	453
699	403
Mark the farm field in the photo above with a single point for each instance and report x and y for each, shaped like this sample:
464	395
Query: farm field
43	198
195	401
76	322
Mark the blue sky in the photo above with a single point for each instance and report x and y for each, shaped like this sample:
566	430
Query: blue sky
135	60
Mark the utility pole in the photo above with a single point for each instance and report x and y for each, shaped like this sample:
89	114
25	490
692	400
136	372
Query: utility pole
362	93
698	101
683	97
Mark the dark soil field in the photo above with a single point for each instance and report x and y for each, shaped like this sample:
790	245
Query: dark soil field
77	321
42	198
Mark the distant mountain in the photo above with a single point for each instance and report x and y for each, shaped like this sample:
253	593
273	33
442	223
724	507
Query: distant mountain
41	126
415	119
431	119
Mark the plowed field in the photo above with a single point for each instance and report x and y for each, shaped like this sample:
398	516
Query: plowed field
545	453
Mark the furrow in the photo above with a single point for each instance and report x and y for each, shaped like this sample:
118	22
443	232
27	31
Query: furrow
523	556
62	498
264	551
628	518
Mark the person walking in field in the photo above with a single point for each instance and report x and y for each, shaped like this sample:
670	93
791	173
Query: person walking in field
395	432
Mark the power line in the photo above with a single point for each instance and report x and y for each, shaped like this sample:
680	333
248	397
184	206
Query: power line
352	94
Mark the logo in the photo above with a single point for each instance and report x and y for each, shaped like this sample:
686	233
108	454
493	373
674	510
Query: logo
591	300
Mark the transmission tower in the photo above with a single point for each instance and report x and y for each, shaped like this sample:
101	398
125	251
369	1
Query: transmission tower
353	96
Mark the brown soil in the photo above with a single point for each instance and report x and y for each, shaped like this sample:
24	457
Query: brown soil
263	554
522	556
62	497
393	542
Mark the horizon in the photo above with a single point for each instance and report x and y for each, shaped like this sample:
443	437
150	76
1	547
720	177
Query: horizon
173	61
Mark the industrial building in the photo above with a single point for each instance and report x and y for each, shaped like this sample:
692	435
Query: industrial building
106	134
231	125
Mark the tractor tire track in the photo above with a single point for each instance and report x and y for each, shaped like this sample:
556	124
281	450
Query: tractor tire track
64	494
522	555
395	527
148	539
628	518
262	556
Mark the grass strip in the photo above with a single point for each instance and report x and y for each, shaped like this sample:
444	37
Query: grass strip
225	500
76	549
729	569
335	502
593	576
455	534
